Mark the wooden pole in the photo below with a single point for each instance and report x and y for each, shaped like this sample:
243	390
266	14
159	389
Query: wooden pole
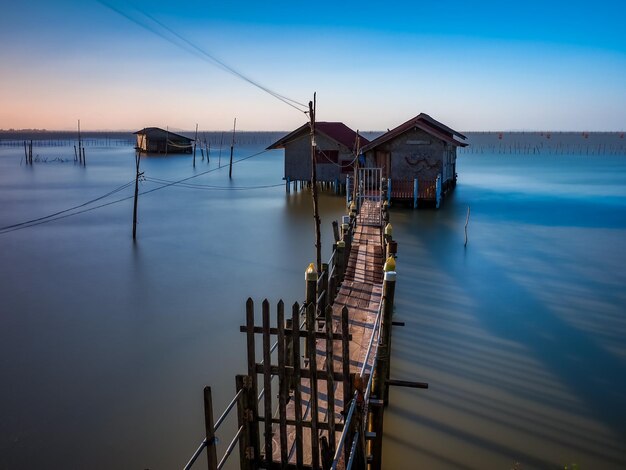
232	145
80	145
167	139
283	386
195	141
297	392
467	222
137	176
389	288
219	160
209	423
312	356
267	383
316	215
252	411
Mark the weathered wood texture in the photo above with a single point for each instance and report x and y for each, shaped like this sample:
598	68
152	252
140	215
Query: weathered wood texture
361	294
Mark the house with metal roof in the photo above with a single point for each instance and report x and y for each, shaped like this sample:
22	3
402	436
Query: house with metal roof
335	154
157	140
417	158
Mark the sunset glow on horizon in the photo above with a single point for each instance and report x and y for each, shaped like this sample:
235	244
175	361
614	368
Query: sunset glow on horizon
493	67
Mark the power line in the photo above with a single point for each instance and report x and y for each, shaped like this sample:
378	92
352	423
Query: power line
198	51
31	222
64	213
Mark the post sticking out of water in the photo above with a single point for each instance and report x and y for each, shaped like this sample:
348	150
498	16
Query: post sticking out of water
137	176
467	222
415	193
195	141
232	145
438	190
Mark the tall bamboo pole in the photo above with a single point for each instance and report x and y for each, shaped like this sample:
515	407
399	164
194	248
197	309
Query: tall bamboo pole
232	145
316	214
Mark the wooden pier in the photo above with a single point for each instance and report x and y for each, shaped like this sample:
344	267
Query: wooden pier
324	369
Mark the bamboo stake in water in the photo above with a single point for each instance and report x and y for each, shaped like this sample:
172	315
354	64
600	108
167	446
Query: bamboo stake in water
466	222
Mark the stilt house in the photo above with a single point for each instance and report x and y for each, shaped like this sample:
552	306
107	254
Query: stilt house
157	140
334	158
418	159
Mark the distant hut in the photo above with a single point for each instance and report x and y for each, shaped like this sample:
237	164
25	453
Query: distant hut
418	158
157	140
334	158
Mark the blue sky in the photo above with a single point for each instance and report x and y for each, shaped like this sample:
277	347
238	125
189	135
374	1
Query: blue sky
492	66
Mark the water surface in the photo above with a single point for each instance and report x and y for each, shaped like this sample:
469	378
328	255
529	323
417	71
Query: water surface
106	344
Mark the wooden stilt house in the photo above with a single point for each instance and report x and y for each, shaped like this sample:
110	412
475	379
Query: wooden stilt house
157	140
335	156
418	159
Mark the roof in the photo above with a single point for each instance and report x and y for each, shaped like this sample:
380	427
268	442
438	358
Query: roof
336	131
424	122
156	132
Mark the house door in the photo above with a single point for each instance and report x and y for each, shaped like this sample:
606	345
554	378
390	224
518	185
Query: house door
383	161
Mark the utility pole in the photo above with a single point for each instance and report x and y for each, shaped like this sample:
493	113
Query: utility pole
137	176
232	144
316	214
356	168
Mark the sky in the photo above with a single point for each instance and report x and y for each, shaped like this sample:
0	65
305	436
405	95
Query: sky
119	65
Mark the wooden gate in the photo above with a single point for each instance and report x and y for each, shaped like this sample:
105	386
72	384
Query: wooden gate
369	197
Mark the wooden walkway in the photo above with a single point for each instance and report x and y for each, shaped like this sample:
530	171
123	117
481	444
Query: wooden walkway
361	293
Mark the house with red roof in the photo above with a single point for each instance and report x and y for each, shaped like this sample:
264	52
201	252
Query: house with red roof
335	155
418	159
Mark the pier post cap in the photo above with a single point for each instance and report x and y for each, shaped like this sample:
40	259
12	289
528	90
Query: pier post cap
311	273
345	227
390	265
390	276
385	203
341	244
389	229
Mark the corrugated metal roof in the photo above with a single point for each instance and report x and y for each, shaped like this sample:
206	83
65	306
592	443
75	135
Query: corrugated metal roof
423	122
157	132
336	131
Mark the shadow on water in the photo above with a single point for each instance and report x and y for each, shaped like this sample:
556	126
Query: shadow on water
496	349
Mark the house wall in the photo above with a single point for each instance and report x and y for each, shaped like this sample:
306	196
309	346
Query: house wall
417	154
298	159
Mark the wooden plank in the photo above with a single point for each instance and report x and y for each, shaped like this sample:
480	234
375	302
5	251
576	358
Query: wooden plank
330	383
297	396
300	333
312	356
267	380
209	424
282	384
252	404
304	373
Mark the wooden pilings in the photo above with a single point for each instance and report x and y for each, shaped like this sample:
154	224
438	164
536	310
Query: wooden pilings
290	420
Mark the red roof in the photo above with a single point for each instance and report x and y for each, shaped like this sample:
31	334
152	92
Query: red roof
424	122
336	131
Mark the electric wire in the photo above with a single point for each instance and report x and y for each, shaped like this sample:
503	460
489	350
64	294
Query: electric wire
198	51
28	222
64	213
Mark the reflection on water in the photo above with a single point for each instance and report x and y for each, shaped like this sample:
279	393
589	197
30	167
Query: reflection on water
105	345
520	335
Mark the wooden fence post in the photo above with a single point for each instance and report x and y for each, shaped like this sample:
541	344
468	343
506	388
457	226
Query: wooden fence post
209	425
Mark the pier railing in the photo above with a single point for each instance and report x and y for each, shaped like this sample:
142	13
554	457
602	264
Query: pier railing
327	285
341	425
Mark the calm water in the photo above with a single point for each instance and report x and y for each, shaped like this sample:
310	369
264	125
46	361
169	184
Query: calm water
105	345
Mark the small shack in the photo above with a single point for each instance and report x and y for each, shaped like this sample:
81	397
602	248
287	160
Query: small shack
157	140
418	159
336	145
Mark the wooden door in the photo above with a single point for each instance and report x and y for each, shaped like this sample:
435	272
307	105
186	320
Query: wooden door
383	161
